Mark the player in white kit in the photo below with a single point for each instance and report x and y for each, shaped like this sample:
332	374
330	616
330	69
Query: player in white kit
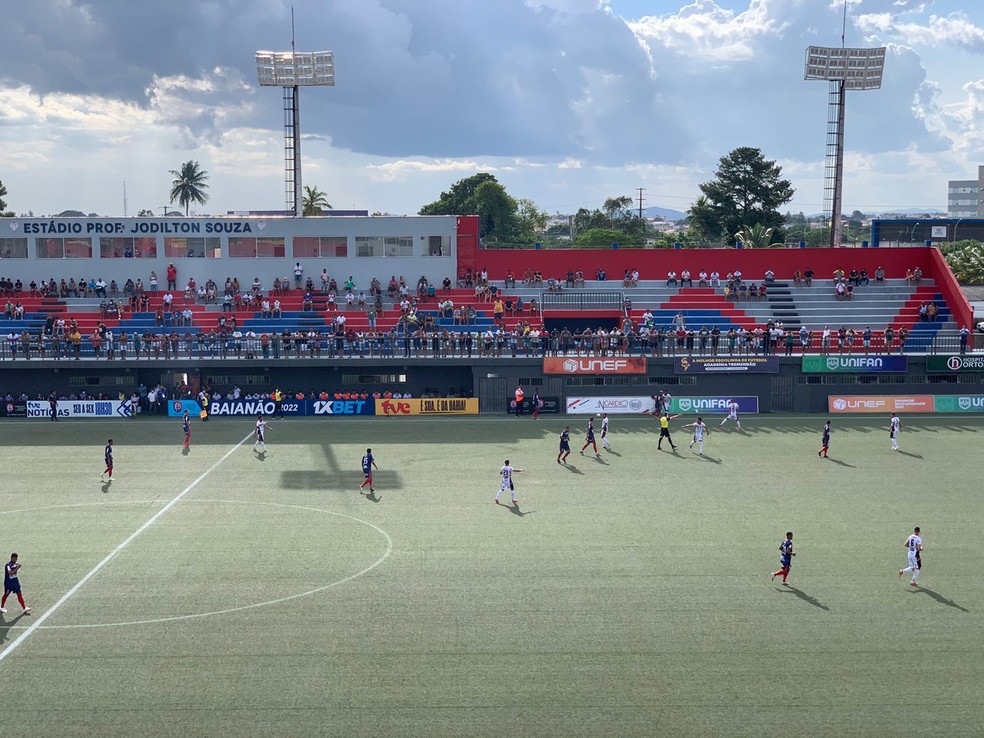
894	428
260	434
732	414
604	431
913	546
699	430
507	482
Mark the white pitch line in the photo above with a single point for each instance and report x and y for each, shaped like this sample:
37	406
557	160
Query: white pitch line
113	554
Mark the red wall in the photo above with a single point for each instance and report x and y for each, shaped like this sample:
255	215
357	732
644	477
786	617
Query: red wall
753	263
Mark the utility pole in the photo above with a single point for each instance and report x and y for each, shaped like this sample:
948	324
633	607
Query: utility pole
642	199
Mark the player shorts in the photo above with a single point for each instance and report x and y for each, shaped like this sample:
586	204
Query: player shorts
565	446
914	561
12	585
785	562
367	473
664	432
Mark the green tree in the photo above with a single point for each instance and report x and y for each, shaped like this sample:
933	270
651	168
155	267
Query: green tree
748	189
966	260
3	205
604	237
756	237
617	209
481	195
189	185
315	201
703	225
531	222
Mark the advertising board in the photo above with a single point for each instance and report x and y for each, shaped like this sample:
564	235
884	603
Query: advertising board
428	406
104	409
958	403
726	365
713	405
955	363
634	405
574	365
13	408
854	364
289	408
550	405
880	403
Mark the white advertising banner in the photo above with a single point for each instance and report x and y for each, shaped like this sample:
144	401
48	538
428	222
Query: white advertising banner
105	409
637	405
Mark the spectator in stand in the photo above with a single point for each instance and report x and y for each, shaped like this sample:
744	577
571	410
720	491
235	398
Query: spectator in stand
671	279
853	277
849	291
932	311
909	277
715	279
446	286
276	309
917	275
770	277
172	276
840	291
879	276
838	275
510	279
808	277
569	282
763	293
601	275
923	312
863	280
685	278
579	278
298	274
753	292
797	278
702	279
498	310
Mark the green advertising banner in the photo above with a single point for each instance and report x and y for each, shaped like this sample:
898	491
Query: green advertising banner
958	363
854	364
958	403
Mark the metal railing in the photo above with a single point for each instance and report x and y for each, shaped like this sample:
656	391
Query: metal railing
582	300
203	347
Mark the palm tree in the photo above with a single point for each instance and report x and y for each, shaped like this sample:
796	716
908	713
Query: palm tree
189	185
315	201
755	237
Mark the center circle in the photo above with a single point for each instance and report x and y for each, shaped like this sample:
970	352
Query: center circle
226	611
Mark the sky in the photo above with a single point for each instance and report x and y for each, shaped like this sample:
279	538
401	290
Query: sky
567	102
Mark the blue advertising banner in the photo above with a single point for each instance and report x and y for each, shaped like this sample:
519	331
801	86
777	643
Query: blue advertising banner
292	408
726	365
713	405
855	364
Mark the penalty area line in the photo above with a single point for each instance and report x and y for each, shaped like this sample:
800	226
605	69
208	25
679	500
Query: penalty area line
114	553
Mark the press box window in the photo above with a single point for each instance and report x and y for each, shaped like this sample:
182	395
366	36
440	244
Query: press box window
13	248
315	247
64	248
127	248
192	248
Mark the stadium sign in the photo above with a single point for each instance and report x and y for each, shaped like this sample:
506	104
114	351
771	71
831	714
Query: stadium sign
955	363
134	227
294	408
105	409
713	405
958	403
13	408
726	365
880	404
427	406
594	365
636	405
855	364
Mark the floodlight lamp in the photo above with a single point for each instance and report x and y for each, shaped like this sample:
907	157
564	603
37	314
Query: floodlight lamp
295	68
858	69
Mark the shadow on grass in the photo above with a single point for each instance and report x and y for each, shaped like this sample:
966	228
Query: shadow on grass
336	479
939	598
909	453
705	457
571	468
107	485
805	597
185	450
6	625
373	497
514	509
842	463
260	455
613	453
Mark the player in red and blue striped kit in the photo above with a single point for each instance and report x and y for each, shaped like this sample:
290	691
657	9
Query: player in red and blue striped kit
785	558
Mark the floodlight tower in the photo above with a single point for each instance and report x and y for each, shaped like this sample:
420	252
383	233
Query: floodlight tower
844	69
293	70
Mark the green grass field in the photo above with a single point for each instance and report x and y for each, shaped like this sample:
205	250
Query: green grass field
628	595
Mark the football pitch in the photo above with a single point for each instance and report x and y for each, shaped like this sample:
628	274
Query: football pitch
218	592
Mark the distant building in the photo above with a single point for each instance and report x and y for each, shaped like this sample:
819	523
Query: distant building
963	197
